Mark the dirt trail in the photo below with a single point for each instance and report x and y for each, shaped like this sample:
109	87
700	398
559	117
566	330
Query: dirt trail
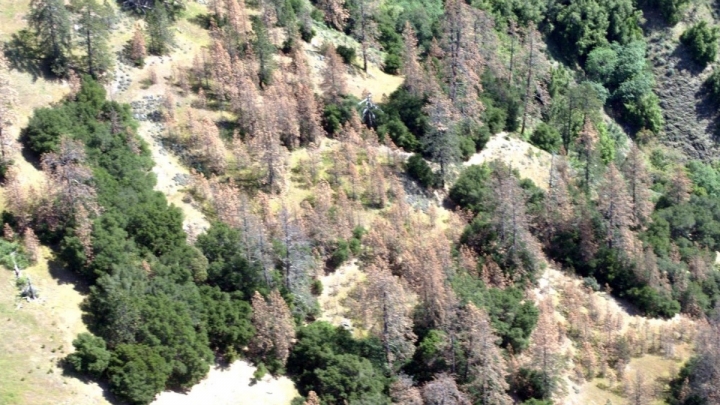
171	176
532	163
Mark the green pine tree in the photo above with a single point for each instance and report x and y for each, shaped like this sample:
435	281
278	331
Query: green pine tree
51	22
94	30
264	50
161	35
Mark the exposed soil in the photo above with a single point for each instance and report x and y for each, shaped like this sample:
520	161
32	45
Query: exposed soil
233	385
531	162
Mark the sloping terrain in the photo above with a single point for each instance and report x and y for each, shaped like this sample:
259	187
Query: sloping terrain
689	117
531	162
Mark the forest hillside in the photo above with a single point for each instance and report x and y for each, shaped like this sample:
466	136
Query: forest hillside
359	202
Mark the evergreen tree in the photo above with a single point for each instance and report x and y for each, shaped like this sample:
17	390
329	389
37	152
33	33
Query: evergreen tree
160	32
51	22
264	53
94	26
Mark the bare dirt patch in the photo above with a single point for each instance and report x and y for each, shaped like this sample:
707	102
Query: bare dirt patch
531	162
233	385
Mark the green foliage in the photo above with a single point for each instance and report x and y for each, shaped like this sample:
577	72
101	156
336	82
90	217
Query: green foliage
671	10
687	373
46	127
472	190
260	372
6	259
529	385
337	367
347	53
418	169
497	94
546	138
392	64
91	355
712	84
228	268
702	40
645	113
227	319
161	35
50	21
94	25
601	63
512	317
143	302
705	178
137	373
582	26
336	115
340	255
264	52
402	118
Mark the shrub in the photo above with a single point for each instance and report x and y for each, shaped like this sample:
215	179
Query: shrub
90	356
546	137
137	373
347	53
528	384
418	169
702	41
392	64
340	255
712	85
260	372
307	33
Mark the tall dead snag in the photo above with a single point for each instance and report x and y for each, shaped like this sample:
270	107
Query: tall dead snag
545	346
403	391
308	109
463	62
275	330
485	362
443	391
238	22
615	205
442	141
534	69
680	187
272	156
510	219
69	179
297	261
312	399
413	71
138	49
390	315
587	143
638	186
334	84
637	390
365	28
31	244
335	12
558	203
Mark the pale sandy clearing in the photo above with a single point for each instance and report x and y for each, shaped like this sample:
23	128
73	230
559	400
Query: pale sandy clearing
336	287
532	163
232	386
